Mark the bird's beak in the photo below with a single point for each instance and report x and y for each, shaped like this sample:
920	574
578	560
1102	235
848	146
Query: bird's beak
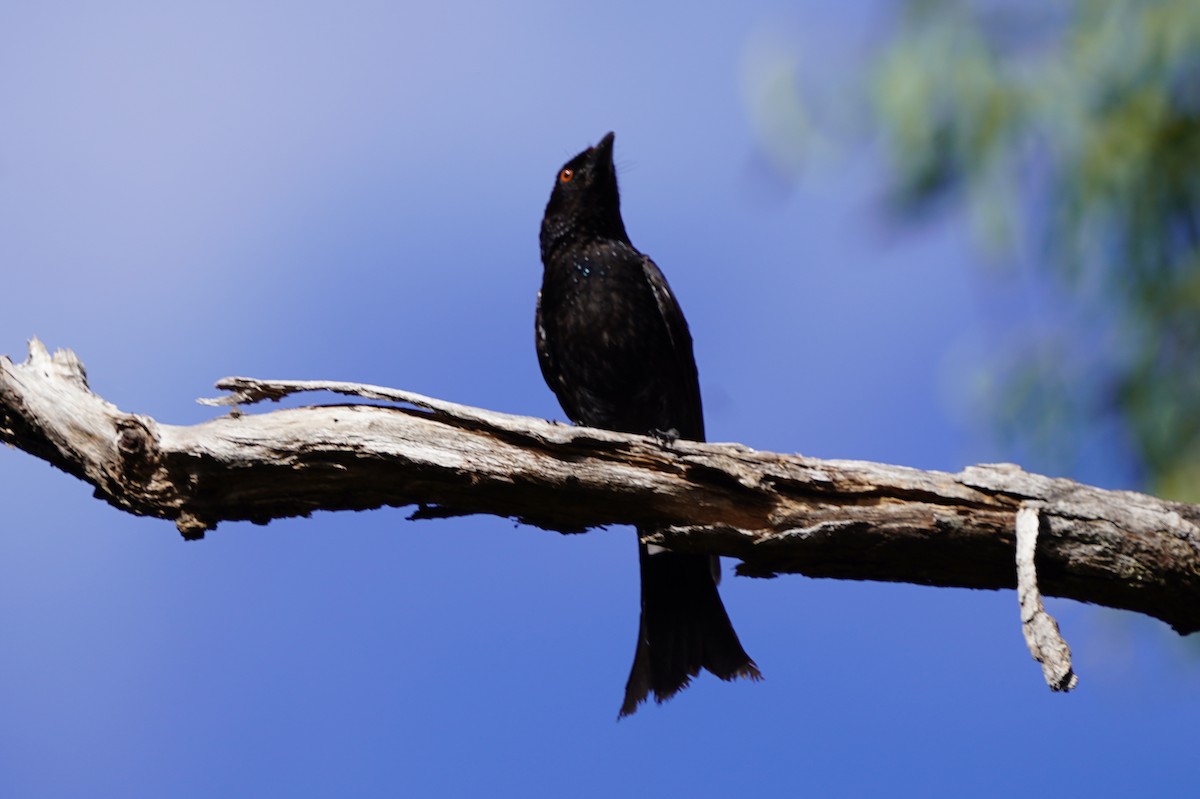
604	149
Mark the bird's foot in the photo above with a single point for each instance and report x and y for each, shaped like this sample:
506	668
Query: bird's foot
665	438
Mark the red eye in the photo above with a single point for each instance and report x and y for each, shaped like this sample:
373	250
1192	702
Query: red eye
566	175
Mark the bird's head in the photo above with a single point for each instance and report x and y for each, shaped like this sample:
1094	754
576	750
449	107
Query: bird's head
584	204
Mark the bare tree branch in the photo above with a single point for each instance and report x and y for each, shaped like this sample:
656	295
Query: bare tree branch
777	513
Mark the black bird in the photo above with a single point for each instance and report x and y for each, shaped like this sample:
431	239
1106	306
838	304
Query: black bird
615	348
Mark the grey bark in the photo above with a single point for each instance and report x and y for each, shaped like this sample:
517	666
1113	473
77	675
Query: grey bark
775	513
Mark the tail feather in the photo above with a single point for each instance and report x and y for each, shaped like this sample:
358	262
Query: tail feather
683	628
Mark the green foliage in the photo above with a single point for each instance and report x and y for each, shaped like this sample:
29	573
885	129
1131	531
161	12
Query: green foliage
1081	124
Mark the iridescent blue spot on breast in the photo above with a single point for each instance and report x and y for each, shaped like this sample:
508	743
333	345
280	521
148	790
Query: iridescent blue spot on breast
583	268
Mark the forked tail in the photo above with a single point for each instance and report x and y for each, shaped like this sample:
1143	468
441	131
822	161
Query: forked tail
684	627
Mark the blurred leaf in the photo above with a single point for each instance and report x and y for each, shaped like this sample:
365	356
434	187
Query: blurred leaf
1085	126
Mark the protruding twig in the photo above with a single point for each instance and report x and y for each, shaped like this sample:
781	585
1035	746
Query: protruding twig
1045	642
249	390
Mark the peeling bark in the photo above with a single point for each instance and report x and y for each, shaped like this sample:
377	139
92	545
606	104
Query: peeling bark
776	513
1045	642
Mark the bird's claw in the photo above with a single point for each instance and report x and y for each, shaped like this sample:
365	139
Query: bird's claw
665	438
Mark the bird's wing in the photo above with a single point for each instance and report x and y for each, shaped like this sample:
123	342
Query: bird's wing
683	363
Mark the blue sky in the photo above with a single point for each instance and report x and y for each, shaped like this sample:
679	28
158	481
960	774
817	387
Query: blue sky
353	192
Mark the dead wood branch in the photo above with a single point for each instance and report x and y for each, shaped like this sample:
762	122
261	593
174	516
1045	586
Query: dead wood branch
776	513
